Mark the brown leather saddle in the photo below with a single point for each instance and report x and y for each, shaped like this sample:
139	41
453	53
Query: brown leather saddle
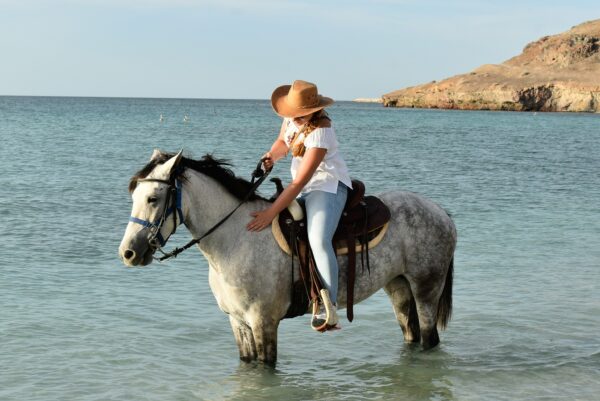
362	225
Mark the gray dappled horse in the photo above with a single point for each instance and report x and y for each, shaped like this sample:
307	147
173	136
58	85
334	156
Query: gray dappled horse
250	275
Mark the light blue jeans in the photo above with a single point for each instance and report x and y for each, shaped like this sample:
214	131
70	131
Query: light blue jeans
323	212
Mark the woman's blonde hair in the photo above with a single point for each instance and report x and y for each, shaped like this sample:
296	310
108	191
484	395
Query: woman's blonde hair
315	122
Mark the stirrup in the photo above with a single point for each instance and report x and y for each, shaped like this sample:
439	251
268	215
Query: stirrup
330	320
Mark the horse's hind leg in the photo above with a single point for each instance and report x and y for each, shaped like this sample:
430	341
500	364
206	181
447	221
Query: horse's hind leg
244	339
427	321
404	307
427	295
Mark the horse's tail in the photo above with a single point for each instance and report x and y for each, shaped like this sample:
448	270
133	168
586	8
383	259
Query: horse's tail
445	302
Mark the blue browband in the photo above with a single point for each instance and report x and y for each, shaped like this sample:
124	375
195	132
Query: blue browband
156	226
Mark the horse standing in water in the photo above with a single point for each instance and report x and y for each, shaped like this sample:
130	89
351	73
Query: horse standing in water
250	275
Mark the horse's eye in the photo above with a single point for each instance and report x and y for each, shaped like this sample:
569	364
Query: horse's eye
152	199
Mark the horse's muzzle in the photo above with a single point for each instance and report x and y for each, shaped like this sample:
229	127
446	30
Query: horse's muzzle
131	258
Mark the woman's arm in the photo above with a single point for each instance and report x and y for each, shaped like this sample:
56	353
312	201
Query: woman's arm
279	149
311	160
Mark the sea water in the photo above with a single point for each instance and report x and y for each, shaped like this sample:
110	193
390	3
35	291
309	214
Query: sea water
75	324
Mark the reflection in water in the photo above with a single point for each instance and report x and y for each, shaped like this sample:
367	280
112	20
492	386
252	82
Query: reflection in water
421	375
250	381
411	374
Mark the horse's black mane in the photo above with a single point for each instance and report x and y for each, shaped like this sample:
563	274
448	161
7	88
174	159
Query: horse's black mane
208	165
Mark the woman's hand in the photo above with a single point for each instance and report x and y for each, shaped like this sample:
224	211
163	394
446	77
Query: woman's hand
261	220
268	161
311	160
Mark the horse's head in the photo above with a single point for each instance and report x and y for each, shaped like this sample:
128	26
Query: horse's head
156	211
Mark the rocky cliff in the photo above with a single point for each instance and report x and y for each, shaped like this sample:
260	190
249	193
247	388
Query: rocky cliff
554	73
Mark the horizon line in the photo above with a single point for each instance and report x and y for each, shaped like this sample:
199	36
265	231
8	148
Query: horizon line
155	98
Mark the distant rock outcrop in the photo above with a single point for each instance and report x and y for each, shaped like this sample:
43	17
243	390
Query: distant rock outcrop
554	73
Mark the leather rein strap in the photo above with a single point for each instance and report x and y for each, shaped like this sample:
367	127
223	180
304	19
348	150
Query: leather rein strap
257	173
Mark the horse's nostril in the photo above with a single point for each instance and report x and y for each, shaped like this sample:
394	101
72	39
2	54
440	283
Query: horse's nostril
129	254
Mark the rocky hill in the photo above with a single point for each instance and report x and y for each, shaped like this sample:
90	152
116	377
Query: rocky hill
554	73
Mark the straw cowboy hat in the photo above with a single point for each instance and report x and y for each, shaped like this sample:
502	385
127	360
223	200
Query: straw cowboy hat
298	99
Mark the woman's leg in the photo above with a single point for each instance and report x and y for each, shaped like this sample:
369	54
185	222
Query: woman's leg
323	212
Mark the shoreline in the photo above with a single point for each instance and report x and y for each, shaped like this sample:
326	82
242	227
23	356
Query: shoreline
368	100
586	112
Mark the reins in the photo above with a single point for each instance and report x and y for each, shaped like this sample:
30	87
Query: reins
257	173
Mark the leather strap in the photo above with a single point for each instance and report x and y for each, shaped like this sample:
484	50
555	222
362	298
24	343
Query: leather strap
351	276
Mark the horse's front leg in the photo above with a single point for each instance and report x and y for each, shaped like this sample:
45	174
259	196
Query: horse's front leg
258	342
244	339
265	338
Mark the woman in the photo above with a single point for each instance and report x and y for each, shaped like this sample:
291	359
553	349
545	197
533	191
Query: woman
319	177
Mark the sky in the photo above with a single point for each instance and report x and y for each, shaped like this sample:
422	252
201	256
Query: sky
244	49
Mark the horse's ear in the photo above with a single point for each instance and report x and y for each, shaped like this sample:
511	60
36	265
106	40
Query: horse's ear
164	171
155	154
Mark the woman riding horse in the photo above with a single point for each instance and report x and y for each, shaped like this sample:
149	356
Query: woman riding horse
319	176
249	273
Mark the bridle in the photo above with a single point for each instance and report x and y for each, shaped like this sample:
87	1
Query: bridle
157	241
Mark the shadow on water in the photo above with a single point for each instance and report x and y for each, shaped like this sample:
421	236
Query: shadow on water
411	375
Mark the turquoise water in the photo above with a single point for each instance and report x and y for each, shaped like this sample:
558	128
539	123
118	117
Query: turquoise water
75	324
